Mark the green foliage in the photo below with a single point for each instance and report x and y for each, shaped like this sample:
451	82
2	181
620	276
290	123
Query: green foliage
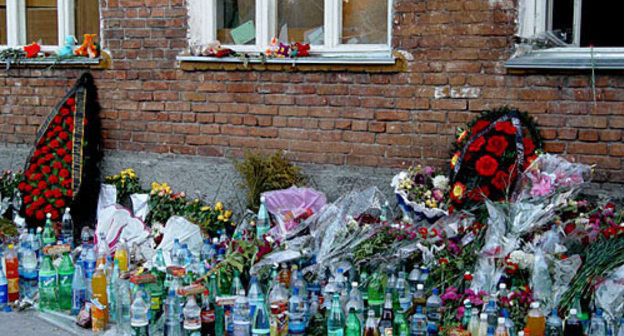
261	173
8	183
7	229
127	183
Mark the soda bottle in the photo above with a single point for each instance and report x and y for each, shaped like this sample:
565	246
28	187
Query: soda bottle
99	300
536	320
207	315
554	324
573	325
387	317
263	223
4	292
12	274
89	262
47	285
370	327
582	315
284	275
278	298
375	294
29	273
156	293
336	319
296	314
418	325
241	319
597	325
399	325
49	236
65	277
111	289
353	324
192	320
79	289
261	325
172	315
67	228
102	250
434	303
121	255
138	317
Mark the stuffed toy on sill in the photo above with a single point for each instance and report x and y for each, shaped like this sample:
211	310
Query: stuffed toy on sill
32	50
68	48
88	48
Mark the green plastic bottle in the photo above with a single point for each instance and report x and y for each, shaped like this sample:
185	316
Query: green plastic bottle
65	274
47	286
376	294
213	292
49	236
156	292
335	319
399	325
353	324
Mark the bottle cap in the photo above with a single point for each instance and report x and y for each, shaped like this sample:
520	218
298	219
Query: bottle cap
262	199
67	210
420	287
354	284
435	291
339	270
502	286
48	215
535	305
501	320
483	316
573	312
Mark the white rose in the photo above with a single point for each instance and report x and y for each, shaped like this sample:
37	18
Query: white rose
440	182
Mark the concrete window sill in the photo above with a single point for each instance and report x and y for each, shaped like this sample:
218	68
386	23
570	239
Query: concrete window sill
570	59
395	63
101	62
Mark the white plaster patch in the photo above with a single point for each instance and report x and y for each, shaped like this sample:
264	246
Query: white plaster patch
441	92
465	92
408	55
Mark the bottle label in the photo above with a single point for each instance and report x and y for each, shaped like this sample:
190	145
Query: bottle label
4	294
78	298
337	332
207	316
65	280
47	281
89	269
155	303
13	285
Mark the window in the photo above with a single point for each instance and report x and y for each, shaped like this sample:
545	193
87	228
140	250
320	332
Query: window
46	21
331	27
569	34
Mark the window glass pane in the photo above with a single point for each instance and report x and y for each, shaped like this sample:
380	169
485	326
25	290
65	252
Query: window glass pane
41	22
563	20
236	21
364	21
3	27
300	21
87	18
599	24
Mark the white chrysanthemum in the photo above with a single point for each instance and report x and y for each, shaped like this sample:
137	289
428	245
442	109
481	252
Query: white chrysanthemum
440	182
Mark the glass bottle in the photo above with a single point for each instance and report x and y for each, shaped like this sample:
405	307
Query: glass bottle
263	223
473	324
370	327
536	320
387	317
336	319
375	294
353	324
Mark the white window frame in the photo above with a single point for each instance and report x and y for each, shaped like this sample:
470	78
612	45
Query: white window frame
16	23
535	18
203	29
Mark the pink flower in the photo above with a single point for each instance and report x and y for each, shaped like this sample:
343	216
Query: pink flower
460	312
543	187
449	296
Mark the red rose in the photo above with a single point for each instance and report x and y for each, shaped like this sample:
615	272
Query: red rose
64	173
73	109
53	179
42	185
54	215
27	199
41	161
29	212
59	203
57	129
480	125
48	194
69	193
479	193
506	127
68	158
475	146
48	208
569	228
529	147
57	193
65	183
57	165
54	144
68	146
70	128
69	121
486	165
40	215
37	177
70	101
64	111
45	149
496	145
36	153
46	169
21	186
58	119
500	180
49	157
28	188
63	136
61	152
50	135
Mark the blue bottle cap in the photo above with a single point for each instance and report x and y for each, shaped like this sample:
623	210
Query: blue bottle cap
491	304
185	245
435	291
339	270
599	312
176	240
419	309
505	313
296	291
254	280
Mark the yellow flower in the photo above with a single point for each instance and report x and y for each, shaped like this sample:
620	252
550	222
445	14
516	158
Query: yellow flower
116	177
196	200
228	213
205	208
219	206
462	136
454	160
220	218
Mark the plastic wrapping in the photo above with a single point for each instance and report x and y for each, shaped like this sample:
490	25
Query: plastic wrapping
486	276
291	206
140	206
107	197
609	295
540	281
117	223
185	231
498	243
564	271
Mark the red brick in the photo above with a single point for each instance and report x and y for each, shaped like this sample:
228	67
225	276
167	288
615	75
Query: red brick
587	148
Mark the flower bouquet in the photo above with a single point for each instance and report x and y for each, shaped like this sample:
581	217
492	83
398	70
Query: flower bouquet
422	192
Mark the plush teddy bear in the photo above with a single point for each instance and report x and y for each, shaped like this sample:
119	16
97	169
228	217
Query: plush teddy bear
88	48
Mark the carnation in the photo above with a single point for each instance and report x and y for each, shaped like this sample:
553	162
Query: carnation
440	182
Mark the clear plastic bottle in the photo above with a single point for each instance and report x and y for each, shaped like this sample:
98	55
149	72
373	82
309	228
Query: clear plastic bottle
501	329
294	273
483	325
241	319
391	286
67	228
237	285
424	276
173	253
511	327
4	292
402	290
124	301
103	251
356	302
554	324
336	319
111	290
261	325
413	278
303	287
340	280
30	273
172	315
99	300
206	250
253	296
418	323
492	313
263	223
121	255
296	314
138	316
621	327
597	325
192	317
434	303
182	255
536	320
79	289
473	325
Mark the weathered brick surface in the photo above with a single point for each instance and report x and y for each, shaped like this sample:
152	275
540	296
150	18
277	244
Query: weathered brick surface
370	119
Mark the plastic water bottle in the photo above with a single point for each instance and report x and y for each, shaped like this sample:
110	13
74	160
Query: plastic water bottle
67	228
138	316
47	285
492	313
253	296
340	280
174	252
111	289
597	325
418	324
241	319
402	291
172	315
554	324
424	276
356	302
29	272
192	321
124	301
261	325
65	275
336	319
183	255
413	278
49	237
206	249
89	262
391	284
296	314
263	223
79	289
621	327
509	323
4	290
434	303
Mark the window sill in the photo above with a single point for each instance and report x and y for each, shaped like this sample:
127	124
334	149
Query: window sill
395	63
102	62
570	59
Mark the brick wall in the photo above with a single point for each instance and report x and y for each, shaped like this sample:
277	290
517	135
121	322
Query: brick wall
341	118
